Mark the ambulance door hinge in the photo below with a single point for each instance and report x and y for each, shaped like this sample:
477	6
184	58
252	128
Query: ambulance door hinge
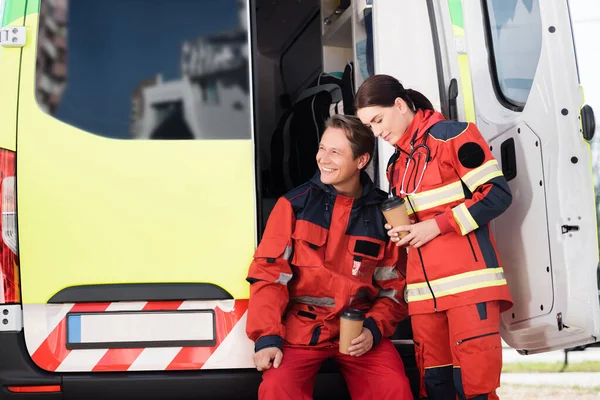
13	36
569	228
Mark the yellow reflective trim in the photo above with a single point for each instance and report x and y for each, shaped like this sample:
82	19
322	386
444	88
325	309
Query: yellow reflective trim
470	217
463	218
439	202
450	186
456	277
457	290
490	164
485	179
435	197
463	230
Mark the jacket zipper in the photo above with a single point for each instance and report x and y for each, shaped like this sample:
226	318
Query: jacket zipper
472	248
427	279
476	337
422	263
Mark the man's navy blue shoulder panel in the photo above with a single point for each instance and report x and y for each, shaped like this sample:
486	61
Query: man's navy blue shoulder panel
446	130
300	195
310	203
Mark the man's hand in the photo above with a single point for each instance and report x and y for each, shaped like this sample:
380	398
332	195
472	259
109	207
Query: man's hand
265	358
420	233
361	344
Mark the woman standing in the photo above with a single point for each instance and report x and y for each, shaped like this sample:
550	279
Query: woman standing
454	188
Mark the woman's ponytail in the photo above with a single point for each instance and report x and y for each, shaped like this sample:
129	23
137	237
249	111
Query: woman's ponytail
418	100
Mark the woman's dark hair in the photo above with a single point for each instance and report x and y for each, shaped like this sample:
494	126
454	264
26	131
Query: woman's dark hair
382	90
362	140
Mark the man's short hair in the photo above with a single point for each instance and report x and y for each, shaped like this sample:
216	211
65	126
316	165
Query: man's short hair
361	138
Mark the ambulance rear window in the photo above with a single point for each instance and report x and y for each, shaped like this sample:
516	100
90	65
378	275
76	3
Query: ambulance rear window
515	30
146	69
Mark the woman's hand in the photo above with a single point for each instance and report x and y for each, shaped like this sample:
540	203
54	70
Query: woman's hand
419	234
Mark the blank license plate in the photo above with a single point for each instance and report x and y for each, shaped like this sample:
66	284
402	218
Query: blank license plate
138	329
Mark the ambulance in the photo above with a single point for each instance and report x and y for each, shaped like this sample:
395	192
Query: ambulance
137	171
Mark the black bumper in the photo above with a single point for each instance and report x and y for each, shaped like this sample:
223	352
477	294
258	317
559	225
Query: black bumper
17	369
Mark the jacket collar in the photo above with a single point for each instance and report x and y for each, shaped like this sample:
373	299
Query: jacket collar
370	194
422	121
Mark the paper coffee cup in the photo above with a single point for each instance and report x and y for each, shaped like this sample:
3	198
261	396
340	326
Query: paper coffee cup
395	213
351	324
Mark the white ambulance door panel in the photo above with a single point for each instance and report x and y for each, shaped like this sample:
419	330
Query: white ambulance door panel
403	48
527	101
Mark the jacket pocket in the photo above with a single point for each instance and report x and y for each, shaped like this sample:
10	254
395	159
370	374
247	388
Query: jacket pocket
365	254
480	360
309	240
305	327
273	248
472	247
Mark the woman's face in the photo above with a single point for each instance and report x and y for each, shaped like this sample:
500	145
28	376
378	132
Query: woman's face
388	123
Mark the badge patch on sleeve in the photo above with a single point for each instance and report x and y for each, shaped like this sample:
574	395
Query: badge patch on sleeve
471	155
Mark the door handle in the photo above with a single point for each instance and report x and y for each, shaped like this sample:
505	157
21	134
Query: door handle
452	95
588	122
509	159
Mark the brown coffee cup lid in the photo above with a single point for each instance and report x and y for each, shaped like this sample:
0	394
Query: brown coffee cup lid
391	203
353	314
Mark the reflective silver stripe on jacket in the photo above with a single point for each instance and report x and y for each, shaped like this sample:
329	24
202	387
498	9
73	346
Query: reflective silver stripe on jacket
315	301
287	253
284	278
389	293
385	273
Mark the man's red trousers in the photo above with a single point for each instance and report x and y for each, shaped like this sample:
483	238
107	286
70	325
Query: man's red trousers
378	374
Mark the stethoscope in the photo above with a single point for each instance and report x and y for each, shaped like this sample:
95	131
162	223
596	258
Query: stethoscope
417	153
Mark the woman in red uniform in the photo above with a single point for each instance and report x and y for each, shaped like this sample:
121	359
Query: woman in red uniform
454	188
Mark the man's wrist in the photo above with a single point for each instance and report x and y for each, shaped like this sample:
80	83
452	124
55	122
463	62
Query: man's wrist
371	325
264	342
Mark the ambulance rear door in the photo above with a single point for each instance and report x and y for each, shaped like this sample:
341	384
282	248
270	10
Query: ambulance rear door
528	104
136	184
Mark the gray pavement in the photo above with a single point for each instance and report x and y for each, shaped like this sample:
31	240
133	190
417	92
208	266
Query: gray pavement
564	379
580	379
511	356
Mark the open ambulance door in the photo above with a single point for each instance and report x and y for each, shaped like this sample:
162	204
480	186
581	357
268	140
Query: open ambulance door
510	66
527	103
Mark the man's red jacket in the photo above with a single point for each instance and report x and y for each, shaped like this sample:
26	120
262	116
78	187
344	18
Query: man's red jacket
322	252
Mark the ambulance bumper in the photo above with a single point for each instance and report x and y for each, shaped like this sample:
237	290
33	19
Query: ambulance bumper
17	370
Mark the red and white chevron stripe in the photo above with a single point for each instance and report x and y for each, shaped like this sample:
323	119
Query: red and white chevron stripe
45	336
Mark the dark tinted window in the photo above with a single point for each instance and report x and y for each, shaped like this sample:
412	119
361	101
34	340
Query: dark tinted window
146	69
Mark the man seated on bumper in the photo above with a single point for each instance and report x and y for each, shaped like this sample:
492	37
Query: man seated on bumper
325	249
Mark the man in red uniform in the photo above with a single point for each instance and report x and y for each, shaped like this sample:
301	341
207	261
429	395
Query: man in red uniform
324	249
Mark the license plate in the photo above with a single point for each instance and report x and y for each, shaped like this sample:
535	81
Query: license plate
138	329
